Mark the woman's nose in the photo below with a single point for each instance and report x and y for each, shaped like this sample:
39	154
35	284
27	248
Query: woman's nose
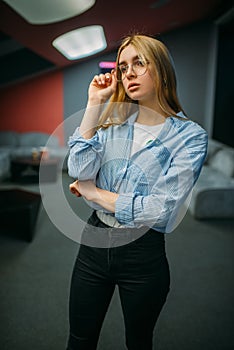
130	71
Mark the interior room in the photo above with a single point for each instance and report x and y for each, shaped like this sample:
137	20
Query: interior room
43	95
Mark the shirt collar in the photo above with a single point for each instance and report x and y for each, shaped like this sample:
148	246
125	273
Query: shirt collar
132	118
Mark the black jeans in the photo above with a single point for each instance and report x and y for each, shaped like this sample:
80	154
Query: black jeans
141	273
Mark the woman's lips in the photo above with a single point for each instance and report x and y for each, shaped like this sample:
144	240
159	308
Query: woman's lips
133	86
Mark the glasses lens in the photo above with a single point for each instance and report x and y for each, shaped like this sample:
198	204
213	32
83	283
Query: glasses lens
139	68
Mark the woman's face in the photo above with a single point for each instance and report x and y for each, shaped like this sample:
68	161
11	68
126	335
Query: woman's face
140	88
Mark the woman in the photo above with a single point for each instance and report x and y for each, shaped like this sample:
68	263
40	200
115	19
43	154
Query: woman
136	160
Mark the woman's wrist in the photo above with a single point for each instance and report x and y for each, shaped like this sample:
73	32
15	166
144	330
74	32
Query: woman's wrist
90	119
95	101
104	198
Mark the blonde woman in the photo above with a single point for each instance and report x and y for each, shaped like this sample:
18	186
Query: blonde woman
135	159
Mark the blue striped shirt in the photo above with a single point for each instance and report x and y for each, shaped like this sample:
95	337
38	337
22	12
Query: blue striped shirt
155	183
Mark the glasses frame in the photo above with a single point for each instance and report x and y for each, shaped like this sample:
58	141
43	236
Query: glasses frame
146	63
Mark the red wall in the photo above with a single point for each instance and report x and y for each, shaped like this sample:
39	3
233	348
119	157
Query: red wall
33	105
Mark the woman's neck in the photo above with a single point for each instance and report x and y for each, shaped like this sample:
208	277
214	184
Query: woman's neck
149	116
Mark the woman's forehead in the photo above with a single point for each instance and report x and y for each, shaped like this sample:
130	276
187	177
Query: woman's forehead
129	53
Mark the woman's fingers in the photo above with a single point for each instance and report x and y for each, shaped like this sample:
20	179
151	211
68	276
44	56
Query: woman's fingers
102	86
103	79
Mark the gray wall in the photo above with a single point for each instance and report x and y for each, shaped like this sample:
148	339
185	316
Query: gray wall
194	52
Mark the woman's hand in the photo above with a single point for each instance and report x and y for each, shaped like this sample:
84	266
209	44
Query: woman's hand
85	189
74	188
102	87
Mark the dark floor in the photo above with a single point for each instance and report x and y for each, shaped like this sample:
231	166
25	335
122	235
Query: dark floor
34	285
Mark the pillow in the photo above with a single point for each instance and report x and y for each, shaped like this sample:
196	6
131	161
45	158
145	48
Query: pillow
33	139
223	161
53	142
9	138
213	147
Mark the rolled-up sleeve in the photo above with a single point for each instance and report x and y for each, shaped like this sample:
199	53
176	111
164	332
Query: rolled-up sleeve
85	155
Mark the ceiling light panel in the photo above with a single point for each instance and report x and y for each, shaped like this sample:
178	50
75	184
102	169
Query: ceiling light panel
49	11
82	42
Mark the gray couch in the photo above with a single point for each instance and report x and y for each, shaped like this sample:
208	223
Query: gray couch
14	144
213	194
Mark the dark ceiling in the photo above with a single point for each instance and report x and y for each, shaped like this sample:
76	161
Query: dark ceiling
26	50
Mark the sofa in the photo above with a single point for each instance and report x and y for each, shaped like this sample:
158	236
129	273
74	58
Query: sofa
14	144
213	194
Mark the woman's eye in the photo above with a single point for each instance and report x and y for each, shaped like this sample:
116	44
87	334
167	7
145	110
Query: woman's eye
123	69
139	63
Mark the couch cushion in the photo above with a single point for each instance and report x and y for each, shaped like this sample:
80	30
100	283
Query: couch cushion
213	195
9	138
213	147
33	139
21	152
223	161
53	142
4	163
213	203
212	179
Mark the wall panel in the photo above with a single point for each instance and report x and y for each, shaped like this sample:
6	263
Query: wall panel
33	105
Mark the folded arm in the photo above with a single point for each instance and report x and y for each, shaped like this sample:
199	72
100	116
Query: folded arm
90	192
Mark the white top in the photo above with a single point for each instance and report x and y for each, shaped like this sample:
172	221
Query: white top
142	135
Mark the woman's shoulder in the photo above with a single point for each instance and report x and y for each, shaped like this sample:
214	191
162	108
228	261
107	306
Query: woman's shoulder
183	124
190	133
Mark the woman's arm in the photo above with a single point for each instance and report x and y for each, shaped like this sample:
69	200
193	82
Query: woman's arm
89	191
86	144
100	89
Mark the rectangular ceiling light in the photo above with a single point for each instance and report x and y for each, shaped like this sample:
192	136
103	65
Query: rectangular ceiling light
49	11
82	42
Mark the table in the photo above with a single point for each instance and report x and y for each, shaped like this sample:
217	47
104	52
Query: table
27	169
18	212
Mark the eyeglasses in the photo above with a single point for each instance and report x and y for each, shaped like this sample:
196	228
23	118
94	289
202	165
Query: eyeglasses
139	67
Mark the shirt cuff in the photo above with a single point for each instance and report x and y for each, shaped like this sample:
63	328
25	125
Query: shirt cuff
77	138
124	209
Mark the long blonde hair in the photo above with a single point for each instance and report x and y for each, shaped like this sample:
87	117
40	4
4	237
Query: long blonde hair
155	52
